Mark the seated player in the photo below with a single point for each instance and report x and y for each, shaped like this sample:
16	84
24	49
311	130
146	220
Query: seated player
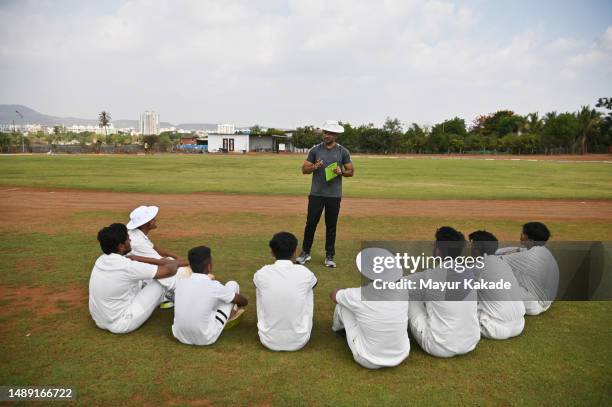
535	268
376	331
284	298
116	301
500	312
445	323
203	306
142	221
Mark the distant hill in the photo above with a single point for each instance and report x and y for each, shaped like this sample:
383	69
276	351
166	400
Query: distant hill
197	126
8	114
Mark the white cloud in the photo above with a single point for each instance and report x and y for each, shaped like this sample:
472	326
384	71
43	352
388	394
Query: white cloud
284	62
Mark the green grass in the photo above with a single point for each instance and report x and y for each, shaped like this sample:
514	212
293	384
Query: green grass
377	177
562	358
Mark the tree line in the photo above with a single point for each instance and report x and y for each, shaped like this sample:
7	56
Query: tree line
587	130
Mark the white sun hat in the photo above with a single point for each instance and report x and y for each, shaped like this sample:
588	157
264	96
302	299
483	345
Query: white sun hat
142	215
332	126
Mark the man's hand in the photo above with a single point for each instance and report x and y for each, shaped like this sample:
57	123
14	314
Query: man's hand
309	168
338	170
332	295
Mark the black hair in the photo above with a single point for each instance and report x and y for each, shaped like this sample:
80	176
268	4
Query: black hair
449	241
536	231
283	245
111	237
483	241
199	257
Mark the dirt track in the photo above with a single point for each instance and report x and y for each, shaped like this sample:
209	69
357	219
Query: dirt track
21	204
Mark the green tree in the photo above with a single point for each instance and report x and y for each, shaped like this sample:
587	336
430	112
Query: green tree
588	126
603	140
416	138
372	139
255	130
559	132
532	124
394	135
442	133
6	141
305	137
164	142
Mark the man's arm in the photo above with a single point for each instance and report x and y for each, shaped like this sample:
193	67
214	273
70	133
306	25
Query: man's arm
148	260
309	167
164	253
240	300
167	270
349	170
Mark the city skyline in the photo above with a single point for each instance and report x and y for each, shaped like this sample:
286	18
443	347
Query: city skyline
291	63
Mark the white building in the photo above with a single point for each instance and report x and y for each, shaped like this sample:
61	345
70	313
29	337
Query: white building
228	142
79	128
149	123
226	128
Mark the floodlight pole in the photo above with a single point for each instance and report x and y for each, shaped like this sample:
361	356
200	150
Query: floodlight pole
22	134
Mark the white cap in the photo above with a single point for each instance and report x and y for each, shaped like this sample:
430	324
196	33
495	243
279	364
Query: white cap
332	126
142	215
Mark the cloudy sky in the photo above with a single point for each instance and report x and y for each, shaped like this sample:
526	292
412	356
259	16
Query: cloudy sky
290	63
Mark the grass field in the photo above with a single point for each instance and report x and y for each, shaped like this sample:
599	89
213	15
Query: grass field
280	175
47	337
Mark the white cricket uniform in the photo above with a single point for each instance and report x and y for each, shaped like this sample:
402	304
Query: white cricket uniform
284	305
116	302
376	331
142	246
537	272
500	312
201	308
444	328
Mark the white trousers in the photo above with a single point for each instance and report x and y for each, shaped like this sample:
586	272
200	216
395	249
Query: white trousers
536	307
495	329
345	319
141	308
223	314
419	327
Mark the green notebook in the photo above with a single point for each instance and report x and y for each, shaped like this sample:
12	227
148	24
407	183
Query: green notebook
329	171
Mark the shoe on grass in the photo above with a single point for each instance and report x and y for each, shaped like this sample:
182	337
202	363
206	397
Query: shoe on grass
166	305
303	258
329	262
235	319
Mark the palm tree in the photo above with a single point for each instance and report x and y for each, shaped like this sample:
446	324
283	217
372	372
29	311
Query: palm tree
588	120
533	123
104	120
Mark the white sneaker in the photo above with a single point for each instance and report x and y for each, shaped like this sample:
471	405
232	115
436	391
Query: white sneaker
303	258
329	262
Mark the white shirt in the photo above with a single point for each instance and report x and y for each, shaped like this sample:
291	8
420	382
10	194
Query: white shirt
500	305
141	245
454	325
537	271
113	284
383	326
196	301
284	305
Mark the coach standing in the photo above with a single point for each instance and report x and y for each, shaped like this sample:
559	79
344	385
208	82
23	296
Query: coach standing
325	191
